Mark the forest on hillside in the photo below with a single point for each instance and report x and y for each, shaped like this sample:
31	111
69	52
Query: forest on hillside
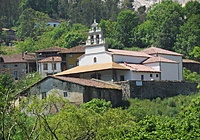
170	118
166	25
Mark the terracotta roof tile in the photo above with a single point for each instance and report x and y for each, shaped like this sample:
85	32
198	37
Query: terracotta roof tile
90	68
158	59
77	49
89	82
52	49
51	59
190	61
129	53
15	58
155	50
139	68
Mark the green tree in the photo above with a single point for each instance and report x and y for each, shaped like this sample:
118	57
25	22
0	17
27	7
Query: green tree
191	8
167	17
189	36
195	53
32	23
126	21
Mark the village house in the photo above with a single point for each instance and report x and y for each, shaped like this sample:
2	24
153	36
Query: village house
17	65
70	57
49	66
192	65
76	90
53	22
120	65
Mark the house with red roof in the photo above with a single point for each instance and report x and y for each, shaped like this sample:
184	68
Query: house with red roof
17	65
50	65
121	65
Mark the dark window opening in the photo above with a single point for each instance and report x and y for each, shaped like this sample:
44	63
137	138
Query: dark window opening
142	77
65	94
156	75
121	77
151	75
95	59
44	95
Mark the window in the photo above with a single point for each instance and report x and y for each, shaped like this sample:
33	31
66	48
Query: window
142	77
65	94
151	75
45	66
44	95
95	60
71	66
54	25
77	63
96	76
156	75
16	75
54	66
15	65
121	77
70	55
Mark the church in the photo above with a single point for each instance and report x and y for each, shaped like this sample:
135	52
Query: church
106	64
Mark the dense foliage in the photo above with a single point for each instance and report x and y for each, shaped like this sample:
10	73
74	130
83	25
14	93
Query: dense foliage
166	25
56	118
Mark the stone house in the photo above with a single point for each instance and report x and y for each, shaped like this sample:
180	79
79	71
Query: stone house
76	90
17	65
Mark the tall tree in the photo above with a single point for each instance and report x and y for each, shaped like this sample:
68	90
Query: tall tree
126	21
189	36
167	17
31	23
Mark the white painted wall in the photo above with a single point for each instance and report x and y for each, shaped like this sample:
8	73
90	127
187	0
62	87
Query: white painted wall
169	71
95	49
147	77
132	59
177	59
88	59
53	24
50	68
155	65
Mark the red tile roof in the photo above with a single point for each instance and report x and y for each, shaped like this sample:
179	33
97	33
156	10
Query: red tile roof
190	61
77	49
88	82
15	58
52	49
155	50
139	68
158	59
129	53
51	59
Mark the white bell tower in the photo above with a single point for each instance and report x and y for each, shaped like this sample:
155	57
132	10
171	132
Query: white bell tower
95	42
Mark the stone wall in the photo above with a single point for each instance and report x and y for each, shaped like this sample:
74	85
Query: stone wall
154	89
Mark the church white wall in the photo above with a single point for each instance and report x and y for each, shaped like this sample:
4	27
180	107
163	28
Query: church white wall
88	59
177	59
147	76
122	58
169	71
95	49
155	65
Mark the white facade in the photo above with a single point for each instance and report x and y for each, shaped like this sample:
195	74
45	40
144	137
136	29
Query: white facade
53	23
95	58
178	59
162	65
49	68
